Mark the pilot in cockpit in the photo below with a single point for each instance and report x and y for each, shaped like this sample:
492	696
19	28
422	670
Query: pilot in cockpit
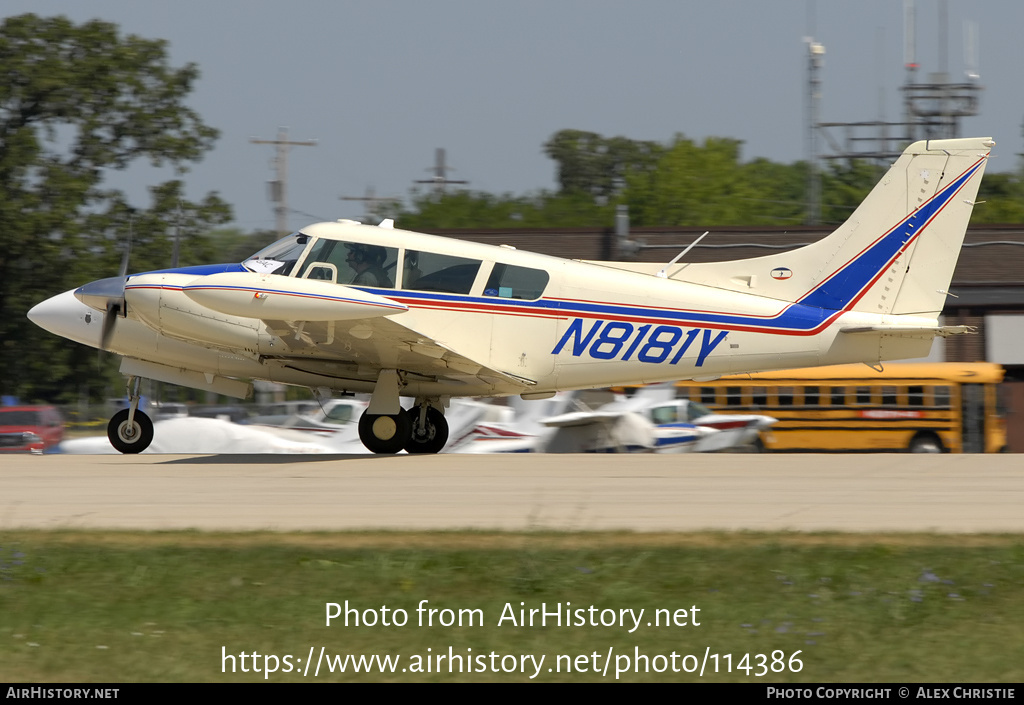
367	261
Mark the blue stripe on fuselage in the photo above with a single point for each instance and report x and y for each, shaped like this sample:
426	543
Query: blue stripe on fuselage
200	270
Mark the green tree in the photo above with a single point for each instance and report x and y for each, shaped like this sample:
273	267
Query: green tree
466	209
1000	199
692	184
592	164
75	102
844	184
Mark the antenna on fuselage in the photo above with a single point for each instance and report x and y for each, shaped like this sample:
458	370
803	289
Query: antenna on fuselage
663	272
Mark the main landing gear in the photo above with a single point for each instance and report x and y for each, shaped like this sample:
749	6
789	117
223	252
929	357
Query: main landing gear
385	427
130	431
421	429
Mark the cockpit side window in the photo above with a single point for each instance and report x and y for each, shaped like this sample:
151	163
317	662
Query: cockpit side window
508	281
428	271
351	263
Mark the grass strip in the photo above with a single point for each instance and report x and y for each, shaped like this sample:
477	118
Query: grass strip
80	606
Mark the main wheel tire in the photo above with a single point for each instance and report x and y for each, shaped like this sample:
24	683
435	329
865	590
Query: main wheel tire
384	433
130	438
432	437
925	443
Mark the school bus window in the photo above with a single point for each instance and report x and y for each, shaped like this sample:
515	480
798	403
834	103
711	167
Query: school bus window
811	397
707	395
890	396
759	396
734	396
838	396
785	395
915	395
941	395
863	395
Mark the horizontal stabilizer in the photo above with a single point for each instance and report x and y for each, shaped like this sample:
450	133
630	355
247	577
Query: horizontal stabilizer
913	331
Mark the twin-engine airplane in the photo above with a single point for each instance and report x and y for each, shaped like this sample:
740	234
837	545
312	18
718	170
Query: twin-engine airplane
362	308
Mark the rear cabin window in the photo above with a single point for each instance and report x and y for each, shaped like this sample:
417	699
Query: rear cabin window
508	281
428	271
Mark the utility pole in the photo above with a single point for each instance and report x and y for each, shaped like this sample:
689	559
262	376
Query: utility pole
279	187
815	61
372	203
440	170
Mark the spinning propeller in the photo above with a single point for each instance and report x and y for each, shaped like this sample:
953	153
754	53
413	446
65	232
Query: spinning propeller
107	295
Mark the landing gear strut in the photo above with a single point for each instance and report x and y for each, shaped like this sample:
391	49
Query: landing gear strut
130	431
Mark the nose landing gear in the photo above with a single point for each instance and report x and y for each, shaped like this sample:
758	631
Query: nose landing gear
130	430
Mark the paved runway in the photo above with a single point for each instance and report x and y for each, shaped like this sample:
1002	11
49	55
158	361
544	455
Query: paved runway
945	493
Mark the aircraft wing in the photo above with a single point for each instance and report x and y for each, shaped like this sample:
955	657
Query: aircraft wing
338	331
584	418
359	349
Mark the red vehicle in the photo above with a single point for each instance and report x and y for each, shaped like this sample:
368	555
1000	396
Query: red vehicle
36	429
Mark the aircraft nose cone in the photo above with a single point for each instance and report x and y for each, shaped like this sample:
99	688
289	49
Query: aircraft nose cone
66	316
99	293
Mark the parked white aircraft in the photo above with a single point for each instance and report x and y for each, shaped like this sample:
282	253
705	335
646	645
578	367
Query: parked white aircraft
734	430
362	308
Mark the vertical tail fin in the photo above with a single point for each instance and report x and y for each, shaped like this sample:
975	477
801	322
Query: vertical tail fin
895	254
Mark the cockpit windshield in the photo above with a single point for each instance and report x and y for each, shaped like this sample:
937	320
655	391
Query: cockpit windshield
280	257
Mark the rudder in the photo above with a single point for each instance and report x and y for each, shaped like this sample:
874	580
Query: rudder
895	254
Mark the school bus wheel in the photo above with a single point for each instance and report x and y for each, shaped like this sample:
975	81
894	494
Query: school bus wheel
925	442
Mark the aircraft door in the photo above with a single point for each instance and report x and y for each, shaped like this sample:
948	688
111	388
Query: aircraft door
521	333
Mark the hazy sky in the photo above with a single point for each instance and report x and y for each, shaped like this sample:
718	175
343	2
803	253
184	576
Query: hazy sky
380	84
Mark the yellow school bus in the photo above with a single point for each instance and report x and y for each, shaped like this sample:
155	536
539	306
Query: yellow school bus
917	407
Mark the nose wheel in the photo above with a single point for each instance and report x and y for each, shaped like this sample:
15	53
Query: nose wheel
130	436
